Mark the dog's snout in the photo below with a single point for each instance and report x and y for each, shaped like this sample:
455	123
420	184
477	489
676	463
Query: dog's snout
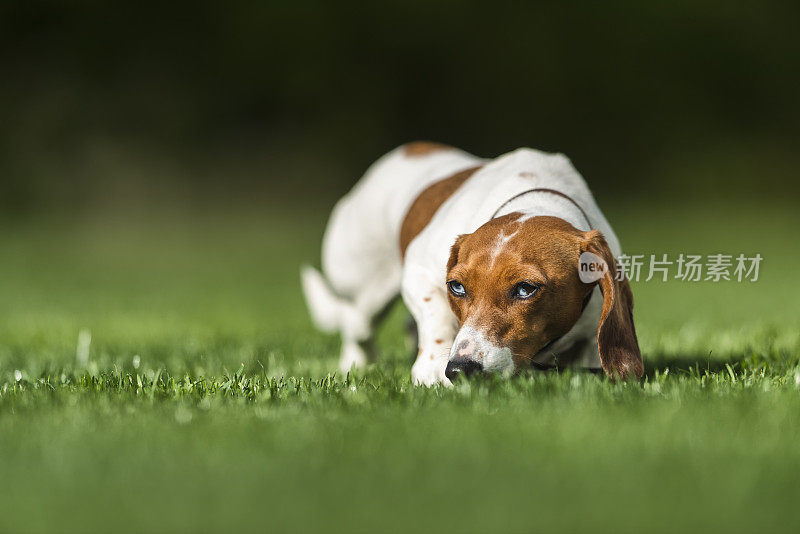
461	367
466	348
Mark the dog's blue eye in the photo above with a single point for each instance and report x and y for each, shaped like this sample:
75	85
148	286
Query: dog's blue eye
524	290
456	288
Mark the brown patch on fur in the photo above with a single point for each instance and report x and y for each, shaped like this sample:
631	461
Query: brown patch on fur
544	252
427	203
426	299
439	341
423	148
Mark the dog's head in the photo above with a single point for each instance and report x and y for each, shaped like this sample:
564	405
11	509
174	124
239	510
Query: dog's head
515	286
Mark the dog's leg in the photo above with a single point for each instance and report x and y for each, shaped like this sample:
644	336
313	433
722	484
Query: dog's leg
360	319
587	354
355	354
353	318
436	327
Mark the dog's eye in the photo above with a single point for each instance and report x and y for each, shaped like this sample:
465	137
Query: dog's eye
524	290
456	288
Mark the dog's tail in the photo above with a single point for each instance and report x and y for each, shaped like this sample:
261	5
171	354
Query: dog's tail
323	304
329	311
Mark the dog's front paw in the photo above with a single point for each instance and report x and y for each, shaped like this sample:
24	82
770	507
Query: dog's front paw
427	372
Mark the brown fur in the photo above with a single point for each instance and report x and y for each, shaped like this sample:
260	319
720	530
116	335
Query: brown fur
543	251
616	333
423	148
425	205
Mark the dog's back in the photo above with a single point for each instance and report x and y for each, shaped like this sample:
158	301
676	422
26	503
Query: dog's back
362	236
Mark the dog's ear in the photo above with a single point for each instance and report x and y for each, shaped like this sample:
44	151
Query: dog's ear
454	251
616	334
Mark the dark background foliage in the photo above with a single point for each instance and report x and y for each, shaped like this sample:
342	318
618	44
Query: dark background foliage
106	104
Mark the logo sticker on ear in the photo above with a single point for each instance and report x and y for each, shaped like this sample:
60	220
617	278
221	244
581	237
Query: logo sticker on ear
591	267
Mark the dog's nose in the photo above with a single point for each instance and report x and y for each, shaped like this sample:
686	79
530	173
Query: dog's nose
461	366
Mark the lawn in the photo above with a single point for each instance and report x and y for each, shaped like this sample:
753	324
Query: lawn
200	399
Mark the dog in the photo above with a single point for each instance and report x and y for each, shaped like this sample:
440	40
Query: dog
486	254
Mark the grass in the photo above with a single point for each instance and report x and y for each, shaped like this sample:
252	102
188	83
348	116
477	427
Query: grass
207	403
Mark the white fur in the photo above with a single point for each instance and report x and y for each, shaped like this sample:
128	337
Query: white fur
502	241
364	270
471	343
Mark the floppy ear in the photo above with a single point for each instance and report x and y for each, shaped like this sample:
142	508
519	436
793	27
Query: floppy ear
454	252
616	334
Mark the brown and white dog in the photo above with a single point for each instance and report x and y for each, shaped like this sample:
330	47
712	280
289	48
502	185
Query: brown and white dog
486	256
